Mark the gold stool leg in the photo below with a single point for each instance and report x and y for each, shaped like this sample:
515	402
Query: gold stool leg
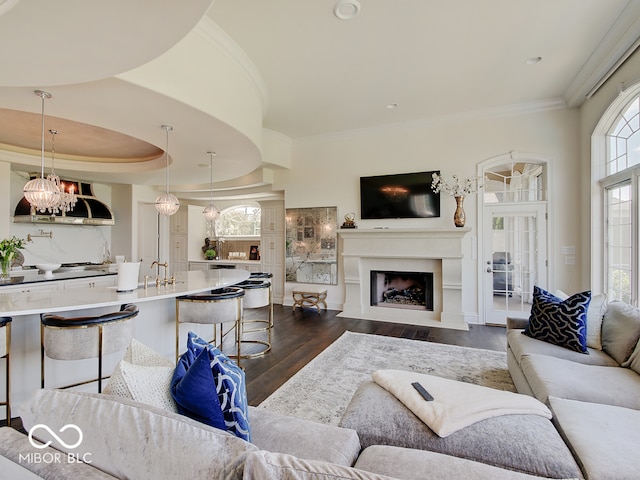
8	390
41	356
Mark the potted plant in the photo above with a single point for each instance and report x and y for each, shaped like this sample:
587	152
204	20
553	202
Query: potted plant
8	248
210	254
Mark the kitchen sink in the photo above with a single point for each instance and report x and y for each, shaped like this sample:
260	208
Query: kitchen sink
72	267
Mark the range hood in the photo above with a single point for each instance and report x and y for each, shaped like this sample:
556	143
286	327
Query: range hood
87	211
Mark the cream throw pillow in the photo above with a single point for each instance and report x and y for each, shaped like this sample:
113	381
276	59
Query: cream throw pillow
143	375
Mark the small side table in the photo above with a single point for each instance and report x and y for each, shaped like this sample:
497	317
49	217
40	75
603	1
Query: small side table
309	296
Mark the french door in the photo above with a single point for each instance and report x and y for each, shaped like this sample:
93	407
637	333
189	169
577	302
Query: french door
514	258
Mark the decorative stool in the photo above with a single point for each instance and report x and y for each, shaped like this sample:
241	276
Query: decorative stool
5	350
222	305
256	275
257	294
79	338
309	296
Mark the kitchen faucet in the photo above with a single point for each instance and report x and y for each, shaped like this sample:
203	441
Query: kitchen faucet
165	280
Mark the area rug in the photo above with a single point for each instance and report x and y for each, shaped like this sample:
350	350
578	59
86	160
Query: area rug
322	389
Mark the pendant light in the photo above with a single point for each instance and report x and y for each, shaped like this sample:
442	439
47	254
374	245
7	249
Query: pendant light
167	203
67	199
40	192
211	212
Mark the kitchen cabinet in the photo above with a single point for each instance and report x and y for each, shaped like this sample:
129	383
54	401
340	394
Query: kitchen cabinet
187	232
32	287
272	245
90	282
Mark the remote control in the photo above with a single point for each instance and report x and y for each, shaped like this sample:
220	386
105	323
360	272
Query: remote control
421	390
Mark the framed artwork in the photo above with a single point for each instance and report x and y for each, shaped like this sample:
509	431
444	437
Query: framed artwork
311	242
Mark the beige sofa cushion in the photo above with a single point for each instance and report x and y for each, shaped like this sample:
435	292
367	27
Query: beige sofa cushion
130	440
620	330
604	438
526	443
412	464
18	461
522	345
634	360
303	438
265	465
556	377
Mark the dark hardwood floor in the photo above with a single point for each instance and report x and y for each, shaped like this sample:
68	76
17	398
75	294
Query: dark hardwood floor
298	337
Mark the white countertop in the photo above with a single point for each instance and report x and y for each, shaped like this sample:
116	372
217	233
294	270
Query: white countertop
228	261
187	283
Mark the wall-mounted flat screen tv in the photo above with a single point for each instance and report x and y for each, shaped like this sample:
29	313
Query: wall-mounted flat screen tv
404	195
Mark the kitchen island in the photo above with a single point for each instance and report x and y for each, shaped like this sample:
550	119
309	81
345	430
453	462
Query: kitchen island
154	326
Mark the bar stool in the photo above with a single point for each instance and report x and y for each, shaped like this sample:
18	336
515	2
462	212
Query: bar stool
5	350
220	306
257	294
79	338
256	275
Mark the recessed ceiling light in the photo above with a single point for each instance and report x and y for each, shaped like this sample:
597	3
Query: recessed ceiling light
346	9
533	60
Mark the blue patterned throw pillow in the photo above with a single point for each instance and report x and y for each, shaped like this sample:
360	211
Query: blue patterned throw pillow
209	387
560	322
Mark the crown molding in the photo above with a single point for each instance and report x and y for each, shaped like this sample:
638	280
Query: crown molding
494	112
617	45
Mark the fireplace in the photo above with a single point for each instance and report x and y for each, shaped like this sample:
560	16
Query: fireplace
438	251
393	289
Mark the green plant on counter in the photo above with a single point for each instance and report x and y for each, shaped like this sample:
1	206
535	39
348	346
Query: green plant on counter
8	248
210	254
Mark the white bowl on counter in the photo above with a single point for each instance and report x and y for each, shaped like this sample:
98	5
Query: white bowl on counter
47	268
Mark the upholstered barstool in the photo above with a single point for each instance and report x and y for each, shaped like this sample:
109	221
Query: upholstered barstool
80	338
269	276
257	294
5	350
219	307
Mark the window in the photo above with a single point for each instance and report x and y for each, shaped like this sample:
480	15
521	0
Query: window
514	182
242	221
619	183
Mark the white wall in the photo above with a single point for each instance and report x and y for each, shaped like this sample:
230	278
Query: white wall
325	172
590	113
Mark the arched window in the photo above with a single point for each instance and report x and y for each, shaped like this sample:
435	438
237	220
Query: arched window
616	167
240	221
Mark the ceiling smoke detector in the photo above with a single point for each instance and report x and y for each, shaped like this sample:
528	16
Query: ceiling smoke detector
346	9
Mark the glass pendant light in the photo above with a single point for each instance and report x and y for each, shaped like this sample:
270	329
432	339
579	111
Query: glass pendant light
211	212
40	192
67	199
167	203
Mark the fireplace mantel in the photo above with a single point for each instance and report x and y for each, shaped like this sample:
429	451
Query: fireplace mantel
439	249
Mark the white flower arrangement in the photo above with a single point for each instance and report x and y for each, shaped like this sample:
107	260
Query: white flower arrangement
454	186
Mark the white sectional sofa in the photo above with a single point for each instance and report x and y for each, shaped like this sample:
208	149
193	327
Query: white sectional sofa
595	397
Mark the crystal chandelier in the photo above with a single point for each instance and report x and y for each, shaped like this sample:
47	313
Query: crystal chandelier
167	203
40	192
211	212
67	199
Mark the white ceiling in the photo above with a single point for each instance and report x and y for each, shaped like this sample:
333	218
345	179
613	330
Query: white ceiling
434	59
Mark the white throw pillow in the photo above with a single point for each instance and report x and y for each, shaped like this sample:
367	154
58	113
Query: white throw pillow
143	375
595	313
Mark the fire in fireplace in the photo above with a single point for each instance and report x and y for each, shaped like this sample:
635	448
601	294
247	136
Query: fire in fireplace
413	290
